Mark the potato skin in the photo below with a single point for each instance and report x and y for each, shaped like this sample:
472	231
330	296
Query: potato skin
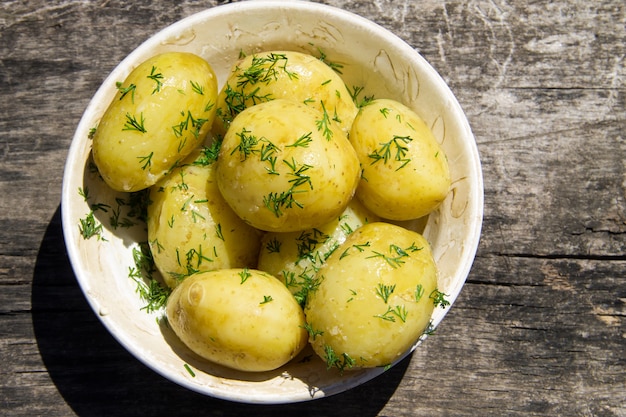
191	228
280	172
243	319
295	257
164	110
405	171
372	301
290	75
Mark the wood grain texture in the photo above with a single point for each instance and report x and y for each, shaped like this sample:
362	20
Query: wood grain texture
539	329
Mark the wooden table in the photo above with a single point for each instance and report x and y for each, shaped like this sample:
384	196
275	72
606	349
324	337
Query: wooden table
540	327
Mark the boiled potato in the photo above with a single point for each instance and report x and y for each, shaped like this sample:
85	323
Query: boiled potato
190	226
284	74
405	171
295	257
280	171
240	318
374	298
164	109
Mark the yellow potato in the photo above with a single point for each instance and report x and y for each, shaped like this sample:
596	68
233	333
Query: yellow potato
191	228
240	318
296	76
281	171
405	171
374	298
164	110
295	257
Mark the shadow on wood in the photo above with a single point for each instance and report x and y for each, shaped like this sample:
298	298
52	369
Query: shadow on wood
84	360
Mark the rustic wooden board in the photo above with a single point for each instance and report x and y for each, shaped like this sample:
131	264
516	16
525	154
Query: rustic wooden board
539	329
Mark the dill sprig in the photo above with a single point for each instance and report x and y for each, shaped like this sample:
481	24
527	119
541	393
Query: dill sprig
149	289
209	154
197	87
341	362
157	77
395	148
396	255
189	123
265	69
244	275
323	124
311	331
125	90
419	292
302	142
337	67
356	92
277	202
384	291
273	245
90	227
266	299
146	160
391	314
133	124
439	298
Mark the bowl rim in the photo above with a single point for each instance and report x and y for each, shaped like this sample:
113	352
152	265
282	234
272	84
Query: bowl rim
77	146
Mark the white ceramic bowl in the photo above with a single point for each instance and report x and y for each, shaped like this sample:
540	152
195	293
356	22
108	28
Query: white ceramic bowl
372	57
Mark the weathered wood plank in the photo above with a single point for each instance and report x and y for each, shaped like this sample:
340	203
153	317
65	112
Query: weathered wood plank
544	342
539	329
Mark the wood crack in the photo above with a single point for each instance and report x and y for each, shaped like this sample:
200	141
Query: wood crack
562	256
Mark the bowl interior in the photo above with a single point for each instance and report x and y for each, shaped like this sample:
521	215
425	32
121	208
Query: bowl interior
372	58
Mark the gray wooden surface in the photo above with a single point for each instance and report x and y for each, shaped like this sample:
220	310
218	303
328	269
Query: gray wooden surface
540	327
